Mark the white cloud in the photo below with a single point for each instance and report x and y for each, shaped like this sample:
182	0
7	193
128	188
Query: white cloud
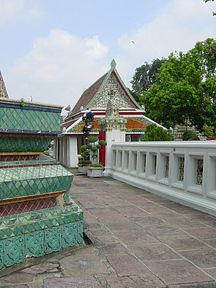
58	68
13	10
178	27
61	66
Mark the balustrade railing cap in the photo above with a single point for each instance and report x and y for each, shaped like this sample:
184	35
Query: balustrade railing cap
170	144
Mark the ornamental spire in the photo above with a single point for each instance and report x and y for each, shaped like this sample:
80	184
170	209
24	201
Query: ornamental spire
3	91
113	64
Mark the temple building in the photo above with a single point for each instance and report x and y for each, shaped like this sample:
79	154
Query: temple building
107	93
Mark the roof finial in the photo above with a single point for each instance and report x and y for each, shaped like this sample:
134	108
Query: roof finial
113	64
3	91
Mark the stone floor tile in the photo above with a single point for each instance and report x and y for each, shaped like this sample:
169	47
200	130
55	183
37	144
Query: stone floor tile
184	242
149	221
195	285
82	265
121	282
122	226
165	231
72	282
134	282
135	237
202	233
17	278
126	265
153	252
177	272
12	286
131	211
211	242
183	222
101	240
43	268
112	249
211	271
204	257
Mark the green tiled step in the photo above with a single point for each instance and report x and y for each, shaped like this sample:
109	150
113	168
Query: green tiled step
29	120
24	223
24	144
42	159
33	180
39	233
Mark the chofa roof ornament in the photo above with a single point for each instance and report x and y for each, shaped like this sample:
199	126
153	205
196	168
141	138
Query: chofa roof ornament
113	64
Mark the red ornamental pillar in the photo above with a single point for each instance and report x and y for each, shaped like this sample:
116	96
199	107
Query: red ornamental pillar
102	150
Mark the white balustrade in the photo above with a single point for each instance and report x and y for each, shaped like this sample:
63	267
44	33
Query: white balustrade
184	172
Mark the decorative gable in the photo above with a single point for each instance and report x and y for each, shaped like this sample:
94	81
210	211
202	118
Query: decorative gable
113	91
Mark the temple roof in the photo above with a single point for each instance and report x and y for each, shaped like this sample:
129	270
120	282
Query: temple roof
110	85
3	91
88	94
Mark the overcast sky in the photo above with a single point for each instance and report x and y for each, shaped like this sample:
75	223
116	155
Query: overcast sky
52	50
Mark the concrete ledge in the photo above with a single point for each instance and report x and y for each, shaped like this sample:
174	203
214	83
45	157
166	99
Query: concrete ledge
195	201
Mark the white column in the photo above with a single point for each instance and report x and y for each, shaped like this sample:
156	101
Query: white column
115	135
55	149
72	160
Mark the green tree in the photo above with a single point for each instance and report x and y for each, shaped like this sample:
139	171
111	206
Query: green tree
144	77
155	133
214	13
184	90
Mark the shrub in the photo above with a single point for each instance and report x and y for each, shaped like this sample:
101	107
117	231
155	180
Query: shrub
155	133
208	130
96	165
90	150
189	135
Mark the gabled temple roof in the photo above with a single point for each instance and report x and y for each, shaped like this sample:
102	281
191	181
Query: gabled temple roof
98	90
3	91
88	94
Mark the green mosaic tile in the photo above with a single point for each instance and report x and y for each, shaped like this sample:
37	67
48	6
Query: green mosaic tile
69	238
15	251
17	248
24	144
39	220
23	181
52	240
1	255
39	232
35	244
30	120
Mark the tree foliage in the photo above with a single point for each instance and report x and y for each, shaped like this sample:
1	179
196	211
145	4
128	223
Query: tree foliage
185	88
214	13
144	77
156	133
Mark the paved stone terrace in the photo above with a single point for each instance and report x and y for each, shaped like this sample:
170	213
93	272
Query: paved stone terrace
139	240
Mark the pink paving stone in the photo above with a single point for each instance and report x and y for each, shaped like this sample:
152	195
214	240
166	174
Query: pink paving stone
125	265
204	257
154	252
71	282
134	282
177	272
202	233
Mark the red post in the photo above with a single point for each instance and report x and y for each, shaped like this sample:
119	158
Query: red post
102	150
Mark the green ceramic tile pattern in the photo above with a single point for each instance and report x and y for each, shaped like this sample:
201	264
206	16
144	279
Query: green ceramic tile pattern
24	144
22	119
39	233
42	159
33	180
